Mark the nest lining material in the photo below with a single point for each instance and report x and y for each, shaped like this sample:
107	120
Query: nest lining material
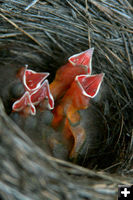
28	173
43	36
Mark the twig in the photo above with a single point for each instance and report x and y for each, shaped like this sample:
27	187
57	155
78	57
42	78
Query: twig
88	172
31	4
20	29
55	41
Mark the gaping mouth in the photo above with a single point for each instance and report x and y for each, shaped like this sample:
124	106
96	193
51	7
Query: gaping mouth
32	80
83	58
90	84
36	91
23	102
43	92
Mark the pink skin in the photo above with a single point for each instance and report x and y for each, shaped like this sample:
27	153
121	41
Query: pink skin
77	97
77	64
88	87
37	89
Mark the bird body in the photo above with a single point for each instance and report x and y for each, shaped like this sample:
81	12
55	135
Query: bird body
64	78
77	98
74	117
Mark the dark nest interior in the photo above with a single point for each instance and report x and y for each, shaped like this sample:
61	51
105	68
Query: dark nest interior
44	34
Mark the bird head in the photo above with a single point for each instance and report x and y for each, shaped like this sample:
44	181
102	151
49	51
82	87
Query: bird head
24	105
83	59
83	88
36	91
77	64
32	80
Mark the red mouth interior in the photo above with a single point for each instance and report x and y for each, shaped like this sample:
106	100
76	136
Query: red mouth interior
90	84
83	58
33	78
42	93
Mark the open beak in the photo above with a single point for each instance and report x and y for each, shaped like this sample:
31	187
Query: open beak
84	58
37	89
77	64
32	80
42	93
23	102
90	84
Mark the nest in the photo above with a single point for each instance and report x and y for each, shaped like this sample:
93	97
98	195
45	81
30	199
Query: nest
43	34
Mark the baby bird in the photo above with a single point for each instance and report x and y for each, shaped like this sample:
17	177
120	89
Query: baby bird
36	92
77	98
77	64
